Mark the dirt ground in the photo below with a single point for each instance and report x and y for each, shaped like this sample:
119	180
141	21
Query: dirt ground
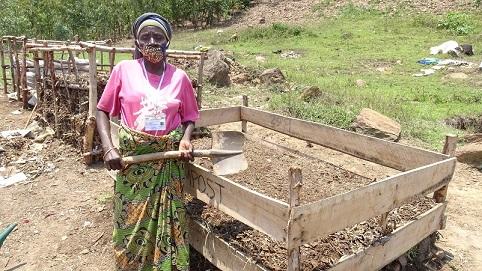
64	214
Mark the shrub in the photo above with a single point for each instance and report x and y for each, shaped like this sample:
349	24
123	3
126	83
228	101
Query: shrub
457	23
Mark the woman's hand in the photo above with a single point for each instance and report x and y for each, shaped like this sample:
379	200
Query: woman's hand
185	147
113	160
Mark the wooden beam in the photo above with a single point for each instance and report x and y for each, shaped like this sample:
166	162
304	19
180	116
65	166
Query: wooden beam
376	150
392	246
449	149
254	209
319	219
217	251
218	116
296	181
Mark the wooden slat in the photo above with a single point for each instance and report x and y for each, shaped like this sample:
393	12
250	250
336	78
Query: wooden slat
376	150
330	215
218	251
395	244
256	210
219	116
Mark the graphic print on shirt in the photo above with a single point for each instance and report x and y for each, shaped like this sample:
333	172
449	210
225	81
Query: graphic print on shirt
152	116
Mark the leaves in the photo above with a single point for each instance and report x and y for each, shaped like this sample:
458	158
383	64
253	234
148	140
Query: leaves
89	19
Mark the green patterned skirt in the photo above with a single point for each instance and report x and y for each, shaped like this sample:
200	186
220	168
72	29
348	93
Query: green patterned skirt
150	230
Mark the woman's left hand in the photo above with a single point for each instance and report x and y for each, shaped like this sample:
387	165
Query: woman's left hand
185	147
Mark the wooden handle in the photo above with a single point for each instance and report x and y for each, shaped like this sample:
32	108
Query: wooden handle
175	154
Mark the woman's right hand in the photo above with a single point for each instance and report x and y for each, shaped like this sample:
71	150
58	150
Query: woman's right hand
113	160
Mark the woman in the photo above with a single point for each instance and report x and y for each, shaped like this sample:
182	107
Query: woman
157	108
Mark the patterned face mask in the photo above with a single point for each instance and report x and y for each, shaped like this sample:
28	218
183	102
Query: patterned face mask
153	52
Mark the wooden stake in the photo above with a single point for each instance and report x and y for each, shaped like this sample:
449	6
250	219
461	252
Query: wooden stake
296	181
200	80
74	64
17	68
112	60
244	124
449	149
36	68
24	74
4	68
90	122
12	66
54	91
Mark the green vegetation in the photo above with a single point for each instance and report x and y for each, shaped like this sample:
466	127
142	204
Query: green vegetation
457	23
365	44
56	19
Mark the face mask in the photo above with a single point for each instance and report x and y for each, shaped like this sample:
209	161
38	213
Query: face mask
153	52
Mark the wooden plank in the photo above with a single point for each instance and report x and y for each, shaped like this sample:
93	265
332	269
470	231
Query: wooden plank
318	219
254	209
395	244
218	116
217	251
296	181
376	150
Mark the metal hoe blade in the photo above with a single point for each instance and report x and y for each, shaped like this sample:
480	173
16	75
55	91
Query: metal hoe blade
229	140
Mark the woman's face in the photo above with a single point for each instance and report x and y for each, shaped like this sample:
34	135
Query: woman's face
151	35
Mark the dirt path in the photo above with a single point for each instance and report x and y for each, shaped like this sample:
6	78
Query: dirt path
64	215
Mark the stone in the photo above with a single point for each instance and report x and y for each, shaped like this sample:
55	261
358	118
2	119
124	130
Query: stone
310	93
457	76
470	153
360	83
372	123
217	70
240	78
272	76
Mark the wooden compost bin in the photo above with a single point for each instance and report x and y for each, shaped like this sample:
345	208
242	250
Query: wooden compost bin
423	172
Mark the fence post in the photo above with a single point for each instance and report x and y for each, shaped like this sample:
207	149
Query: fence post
200	80
4	67
90	122
296	181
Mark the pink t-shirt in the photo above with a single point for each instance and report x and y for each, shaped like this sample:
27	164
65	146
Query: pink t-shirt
139	101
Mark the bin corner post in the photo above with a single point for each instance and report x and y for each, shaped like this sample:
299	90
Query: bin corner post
244	123
4	67
200	80
296	182
90	122
449	149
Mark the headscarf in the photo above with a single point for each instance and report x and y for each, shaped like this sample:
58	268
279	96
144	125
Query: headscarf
166	27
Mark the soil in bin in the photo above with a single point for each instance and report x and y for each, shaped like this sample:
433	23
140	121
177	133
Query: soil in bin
268	174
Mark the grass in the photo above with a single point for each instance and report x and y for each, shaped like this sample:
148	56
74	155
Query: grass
337	52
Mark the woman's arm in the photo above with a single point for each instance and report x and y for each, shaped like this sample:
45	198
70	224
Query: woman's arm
112	157
185	145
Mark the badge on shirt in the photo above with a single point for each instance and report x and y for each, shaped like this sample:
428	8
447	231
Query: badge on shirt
155	123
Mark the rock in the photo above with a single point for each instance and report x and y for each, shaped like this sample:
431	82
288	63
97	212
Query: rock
260	59
372	123
240	78
360	83
272	76
217	70
470	153
457	76
310	93
48	133
262	20
467	49
84	251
